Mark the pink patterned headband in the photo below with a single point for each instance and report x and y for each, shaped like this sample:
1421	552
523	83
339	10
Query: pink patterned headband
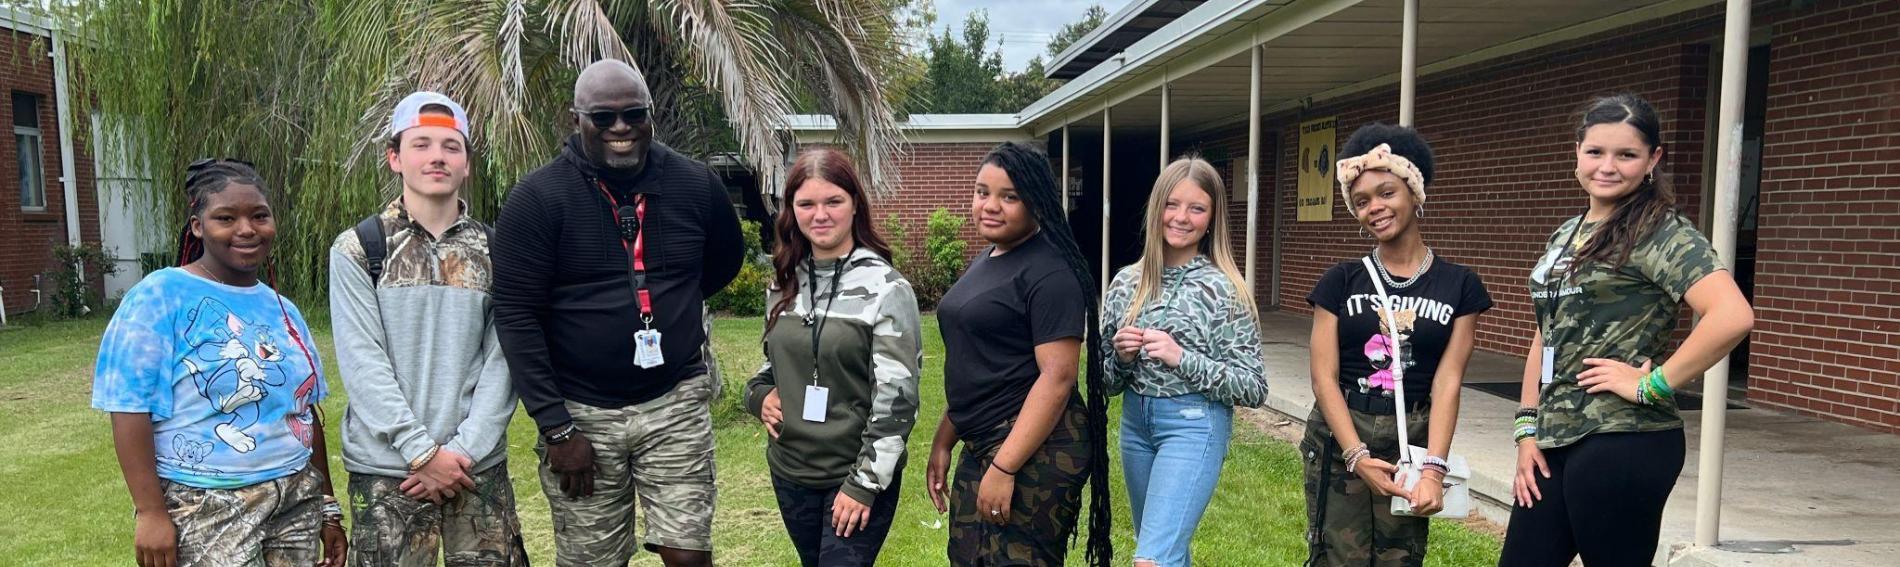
1381	158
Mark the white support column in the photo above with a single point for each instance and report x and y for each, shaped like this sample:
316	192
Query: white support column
1065	170
1253	161
1728	182
1166	89
1408	62
1108	161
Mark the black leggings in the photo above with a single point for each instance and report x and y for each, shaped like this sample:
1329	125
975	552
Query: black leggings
807	515
1603	500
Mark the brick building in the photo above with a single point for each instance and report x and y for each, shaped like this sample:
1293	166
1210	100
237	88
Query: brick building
47	195
1497	93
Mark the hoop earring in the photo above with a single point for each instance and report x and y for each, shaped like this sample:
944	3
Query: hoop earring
1363	233
1420	213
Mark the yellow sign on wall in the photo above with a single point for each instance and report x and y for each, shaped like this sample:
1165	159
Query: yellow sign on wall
1316	169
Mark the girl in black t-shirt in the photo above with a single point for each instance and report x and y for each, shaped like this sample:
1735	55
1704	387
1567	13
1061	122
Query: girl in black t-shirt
1352	432
1013	329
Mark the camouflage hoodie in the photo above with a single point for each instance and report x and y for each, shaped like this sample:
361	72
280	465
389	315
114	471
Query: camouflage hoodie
1220	341
869	355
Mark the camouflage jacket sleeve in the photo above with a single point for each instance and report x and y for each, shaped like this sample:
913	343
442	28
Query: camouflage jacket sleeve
762	382
896	362
1121	292
1233	371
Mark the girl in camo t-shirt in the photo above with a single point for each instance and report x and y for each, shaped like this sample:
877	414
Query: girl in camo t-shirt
1599	441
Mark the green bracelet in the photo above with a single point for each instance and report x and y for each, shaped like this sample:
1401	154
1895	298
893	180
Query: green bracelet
1661	384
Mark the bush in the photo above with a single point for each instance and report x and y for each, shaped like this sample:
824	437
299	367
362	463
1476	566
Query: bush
931	274
745	296
80	269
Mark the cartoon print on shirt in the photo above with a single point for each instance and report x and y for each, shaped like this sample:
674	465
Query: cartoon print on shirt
232	362
1379	351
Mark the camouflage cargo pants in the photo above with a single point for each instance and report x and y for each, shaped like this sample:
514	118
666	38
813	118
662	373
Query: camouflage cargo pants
1346	523
1043	510
275	522
476	528
660	452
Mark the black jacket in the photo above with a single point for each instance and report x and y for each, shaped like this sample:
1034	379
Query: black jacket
564	310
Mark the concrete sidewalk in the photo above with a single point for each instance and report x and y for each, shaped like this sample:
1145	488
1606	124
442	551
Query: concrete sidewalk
1796	490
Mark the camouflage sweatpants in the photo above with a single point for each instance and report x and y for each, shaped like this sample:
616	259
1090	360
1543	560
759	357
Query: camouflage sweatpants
1043	509
476	528
661	452
275	522
1346	523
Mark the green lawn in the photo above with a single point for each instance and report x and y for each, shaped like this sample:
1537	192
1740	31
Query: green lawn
65	503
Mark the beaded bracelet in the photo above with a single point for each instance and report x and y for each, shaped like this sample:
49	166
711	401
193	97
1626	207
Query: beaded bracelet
1354	455
1523	432
423	460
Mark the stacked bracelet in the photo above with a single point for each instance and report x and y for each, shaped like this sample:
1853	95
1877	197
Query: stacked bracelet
1432	463
1525	426
1354	455
332	511
423	460
1654	388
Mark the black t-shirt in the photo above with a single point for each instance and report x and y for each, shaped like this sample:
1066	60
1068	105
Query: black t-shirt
992	320
1425	313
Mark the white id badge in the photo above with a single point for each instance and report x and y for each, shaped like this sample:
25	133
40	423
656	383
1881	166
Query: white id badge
1550	363
815	403
646	351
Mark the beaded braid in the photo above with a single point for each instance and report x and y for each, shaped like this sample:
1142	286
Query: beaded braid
1029	170
204	178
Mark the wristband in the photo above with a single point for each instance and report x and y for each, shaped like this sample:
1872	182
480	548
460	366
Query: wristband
1006	472
423	460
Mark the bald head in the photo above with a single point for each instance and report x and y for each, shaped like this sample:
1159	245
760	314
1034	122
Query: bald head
609	79
612	110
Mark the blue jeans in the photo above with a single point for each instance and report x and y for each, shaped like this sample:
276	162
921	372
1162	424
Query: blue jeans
1172	450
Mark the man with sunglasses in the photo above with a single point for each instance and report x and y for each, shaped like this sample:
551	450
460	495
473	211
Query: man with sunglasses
426	437
603	260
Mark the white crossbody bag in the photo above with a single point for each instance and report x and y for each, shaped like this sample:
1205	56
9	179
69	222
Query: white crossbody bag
1457	495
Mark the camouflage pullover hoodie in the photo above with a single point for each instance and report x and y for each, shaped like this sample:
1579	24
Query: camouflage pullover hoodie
1199	307
869	353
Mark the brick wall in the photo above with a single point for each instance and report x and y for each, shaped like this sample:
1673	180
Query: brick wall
1827	340
27	238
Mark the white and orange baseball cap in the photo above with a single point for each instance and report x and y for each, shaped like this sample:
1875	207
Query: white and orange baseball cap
409	114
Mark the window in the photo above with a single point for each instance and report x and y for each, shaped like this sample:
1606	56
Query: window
27	144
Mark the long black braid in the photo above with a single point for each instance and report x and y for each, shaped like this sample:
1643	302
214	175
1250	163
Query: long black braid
204	178
1035	183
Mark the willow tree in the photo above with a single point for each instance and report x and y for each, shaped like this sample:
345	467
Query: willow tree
303	88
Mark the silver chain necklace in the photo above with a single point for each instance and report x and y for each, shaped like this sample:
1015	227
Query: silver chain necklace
1423	265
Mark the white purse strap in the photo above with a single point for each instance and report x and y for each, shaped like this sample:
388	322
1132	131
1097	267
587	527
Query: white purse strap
1398	359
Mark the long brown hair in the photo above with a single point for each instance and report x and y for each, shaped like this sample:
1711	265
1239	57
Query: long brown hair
1638	213
1214	242
792	247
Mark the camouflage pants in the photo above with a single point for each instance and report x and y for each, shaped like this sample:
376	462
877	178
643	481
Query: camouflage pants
807	515
271	523
1043	509
476	528
661	452
1346	523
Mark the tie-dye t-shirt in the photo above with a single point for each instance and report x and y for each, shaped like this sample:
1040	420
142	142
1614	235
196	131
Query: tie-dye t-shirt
229	388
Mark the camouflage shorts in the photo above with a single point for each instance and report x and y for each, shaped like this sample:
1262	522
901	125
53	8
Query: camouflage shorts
1346	523
275	522
476	528
1043	510
661	452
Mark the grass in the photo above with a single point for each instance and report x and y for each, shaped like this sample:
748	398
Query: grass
66	504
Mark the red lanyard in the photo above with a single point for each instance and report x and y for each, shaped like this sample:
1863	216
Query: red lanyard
636	249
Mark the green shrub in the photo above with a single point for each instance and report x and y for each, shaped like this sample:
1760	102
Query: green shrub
932	273
80	269
745	296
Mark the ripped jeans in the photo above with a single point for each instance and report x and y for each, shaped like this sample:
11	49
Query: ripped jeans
1172	450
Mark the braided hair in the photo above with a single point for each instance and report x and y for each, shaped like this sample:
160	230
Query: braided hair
1035	183
204	178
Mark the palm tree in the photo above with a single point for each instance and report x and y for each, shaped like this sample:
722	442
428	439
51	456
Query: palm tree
302	88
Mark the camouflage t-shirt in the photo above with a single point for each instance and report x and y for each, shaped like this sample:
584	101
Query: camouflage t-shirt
1625	313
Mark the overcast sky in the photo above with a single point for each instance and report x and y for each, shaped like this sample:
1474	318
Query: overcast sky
1021	28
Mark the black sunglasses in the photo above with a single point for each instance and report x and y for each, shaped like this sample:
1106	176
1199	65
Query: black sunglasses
604	119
